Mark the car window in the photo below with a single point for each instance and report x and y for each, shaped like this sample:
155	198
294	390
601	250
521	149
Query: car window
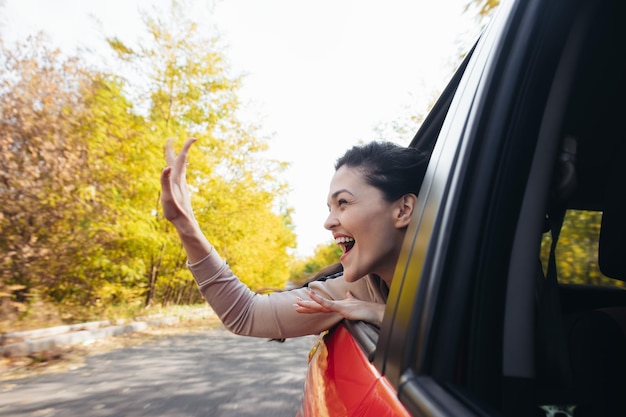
365	334
577	248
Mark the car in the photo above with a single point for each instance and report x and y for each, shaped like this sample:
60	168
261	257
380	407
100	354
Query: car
508	297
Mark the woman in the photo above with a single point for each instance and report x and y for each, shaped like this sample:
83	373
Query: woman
371	199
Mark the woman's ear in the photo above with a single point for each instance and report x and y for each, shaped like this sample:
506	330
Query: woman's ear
406	206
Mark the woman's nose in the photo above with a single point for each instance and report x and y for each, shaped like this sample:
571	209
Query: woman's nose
331	221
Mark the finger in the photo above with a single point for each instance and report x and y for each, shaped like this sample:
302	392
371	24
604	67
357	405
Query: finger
187	145
166	177
307	306
301	310
181	161
318	299
316	296
326	304
166	185
307	310
306	303
170	155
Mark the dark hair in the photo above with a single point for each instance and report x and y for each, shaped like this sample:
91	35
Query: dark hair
330	271
395	170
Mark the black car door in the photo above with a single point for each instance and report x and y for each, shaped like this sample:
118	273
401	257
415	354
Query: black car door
460	325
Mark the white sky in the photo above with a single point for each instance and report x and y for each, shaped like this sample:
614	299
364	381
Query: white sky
320	75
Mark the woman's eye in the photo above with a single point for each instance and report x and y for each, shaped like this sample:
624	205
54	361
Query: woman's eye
342	202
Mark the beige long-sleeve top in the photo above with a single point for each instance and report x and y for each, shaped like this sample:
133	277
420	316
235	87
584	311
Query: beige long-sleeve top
273	315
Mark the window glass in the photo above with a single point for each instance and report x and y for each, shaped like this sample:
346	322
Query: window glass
577	250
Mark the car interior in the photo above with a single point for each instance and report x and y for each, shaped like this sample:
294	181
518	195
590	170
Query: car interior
582	369
579	358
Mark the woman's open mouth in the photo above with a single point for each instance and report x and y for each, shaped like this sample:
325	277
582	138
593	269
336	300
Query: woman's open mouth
346	243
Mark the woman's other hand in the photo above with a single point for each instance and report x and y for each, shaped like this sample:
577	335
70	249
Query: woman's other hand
350	308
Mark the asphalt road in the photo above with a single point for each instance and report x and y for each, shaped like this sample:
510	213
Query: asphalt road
204	374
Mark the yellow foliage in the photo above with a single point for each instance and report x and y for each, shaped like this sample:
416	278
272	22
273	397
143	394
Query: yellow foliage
577	250
80	219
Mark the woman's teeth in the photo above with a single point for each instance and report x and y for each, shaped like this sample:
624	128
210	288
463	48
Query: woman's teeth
345	242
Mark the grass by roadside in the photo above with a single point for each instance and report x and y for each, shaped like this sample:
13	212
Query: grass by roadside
69	358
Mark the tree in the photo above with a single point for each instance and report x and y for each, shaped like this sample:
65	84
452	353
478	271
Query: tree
68	222
236	193
323	256
80	216
123	179
43	201
577	251
483	9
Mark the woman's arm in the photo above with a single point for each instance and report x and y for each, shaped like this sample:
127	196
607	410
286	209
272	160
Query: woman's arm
275	315
242	311
262	315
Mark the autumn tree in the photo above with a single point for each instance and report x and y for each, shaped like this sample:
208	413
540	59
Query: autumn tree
187	90
123	177
65	136
80	218
43	198
324	255
485	7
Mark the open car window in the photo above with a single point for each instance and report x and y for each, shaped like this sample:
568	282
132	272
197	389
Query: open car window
365	334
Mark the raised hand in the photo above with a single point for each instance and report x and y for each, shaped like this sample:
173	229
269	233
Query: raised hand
175	197
176	203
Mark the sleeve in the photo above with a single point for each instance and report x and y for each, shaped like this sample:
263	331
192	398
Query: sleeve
270	315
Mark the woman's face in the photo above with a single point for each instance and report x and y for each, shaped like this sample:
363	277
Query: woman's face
365	225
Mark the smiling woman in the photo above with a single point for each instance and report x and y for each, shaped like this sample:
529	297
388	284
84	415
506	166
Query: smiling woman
371	198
